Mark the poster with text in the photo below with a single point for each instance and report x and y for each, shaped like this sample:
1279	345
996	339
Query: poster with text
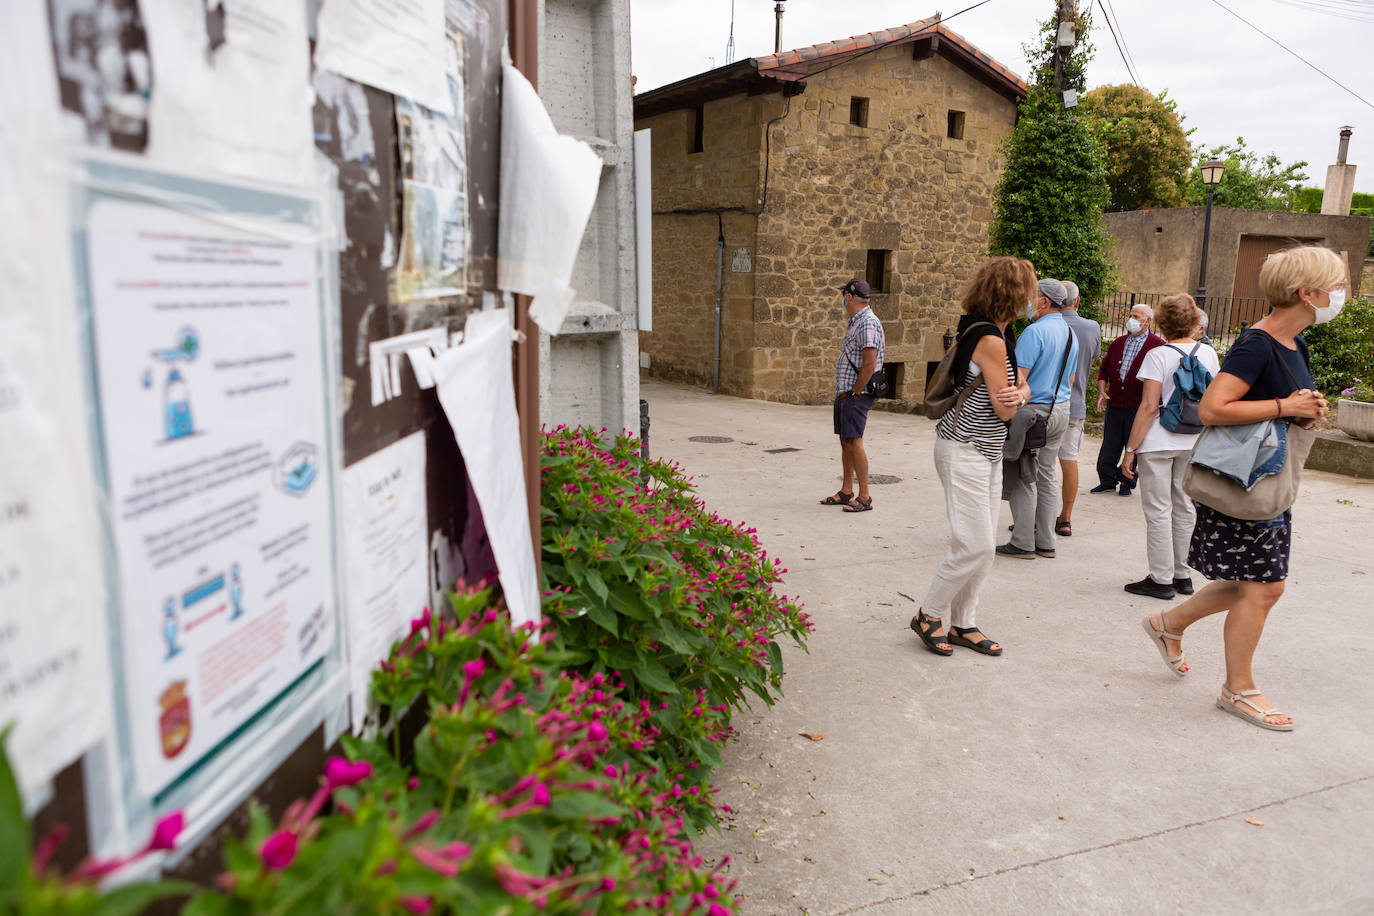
210	383
386	556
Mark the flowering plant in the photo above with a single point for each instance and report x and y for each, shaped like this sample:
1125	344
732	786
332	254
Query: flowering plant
1358	391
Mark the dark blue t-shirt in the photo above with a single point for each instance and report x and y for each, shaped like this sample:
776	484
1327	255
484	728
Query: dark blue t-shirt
1252	360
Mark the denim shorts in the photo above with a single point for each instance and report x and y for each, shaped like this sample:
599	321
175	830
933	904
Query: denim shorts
851	415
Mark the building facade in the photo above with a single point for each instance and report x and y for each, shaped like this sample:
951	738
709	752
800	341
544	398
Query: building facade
776	179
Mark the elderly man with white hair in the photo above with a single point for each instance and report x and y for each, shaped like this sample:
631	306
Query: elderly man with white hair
1120	391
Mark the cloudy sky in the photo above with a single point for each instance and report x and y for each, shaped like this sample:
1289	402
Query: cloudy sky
1228	79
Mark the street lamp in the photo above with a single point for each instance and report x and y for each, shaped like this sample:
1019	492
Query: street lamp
1211	177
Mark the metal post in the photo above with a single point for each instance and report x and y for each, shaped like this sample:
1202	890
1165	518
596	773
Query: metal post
777	31
720	283
524	47
1206	238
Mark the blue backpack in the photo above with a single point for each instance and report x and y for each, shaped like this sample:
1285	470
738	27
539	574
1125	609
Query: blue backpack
1191	379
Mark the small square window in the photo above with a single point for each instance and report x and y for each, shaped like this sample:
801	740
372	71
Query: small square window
954	127
858	111
698	130
876	270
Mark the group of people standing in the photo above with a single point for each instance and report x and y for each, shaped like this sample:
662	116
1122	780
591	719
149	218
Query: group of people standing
1019	418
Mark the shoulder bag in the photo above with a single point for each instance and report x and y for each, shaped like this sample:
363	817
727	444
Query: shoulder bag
1038	433
941	395
1273	490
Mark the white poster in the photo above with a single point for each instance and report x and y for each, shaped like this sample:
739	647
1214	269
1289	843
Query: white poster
478	371
394	45
52	633
233	87
207	338
386	555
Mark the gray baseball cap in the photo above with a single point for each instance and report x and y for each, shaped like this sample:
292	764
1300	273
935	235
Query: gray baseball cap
1055	292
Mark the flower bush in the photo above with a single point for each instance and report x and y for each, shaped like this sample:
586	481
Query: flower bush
557	768
1359	390
1343	348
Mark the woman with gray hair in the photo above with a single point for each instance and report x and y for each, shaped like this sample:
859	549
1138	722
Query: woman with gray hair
1265	376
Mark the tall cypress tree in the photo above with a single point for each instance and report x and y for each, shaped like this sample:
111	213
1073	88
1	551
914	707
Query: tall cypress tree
1049	201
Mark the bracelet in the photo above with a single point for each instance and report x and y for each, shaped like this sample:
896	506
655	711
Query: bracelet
1279	404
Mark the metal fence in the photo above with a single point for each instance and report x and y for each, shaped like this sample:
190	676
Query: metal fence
1227	316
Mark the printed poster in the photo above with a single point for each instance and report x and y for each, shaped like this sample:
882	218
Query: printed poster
434	238
386	556
395	45
208	345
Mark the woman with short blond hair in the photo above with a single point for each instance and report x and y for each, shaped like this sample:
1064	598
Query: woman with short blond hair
1265	376
968	452
1160	455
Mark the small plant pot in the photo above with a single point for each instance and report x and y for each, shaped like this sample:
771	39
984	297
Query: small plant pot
1356	418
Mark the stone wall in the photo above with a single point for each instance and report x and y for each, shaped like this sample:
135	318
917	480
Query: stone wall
899	184
723	181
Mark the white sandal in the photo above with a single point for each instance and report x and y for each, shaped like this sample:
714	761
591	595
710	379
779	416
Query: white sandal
1177	663
1228	700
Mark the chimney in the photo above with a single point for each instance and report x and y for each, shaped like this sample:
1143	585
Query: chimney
1340	180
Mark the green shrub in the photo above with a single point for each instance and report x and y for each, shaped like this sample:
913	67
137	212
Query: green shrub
1343	349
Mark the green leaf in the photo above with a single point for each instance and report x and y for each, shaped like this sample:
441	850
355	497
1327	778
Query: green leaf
14	829
653	674
135	898
208	903
596	584
604	618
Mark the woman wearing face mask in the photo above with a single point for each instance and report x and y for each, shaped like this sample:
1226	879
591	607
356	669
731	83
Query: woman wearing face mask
1247	560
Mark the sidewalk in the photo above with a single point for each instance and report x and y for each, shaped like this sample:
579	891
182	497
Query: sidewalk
1074	773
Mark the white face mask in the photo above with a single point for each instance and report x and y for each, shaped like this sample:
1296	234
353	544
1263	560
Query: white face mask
1030	309
1337	300
1133	326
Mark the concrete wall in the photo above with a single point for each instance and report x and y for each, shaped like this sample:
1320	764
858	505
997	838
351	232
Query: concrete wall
1161	250
834	192
589	372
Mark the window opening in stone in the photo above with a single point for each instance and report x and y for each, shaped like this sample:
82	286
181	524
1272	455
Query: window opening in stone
858	111
955	126
876	270
698	129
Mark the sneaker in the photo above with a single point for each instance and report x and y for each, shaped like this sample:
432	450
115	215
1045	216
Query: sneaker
1151	589
1011	550
1046	552
1123	490
1183	586
1103	488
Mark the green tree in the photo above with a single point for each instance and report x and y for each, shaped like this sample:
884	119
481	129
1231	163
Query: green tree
1145	145
1049	200
1251	181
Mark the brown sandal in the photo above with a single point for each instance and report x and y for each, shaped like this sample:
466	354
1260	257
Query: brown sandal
860	504
841	498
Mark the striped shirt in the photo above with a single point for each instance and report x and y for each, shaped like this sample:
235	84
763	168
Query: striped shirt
864	330
976	423
1133	344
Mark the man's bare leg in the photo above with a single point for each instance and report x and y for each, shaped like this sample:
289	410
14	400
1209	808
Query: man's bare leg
859	459
1070	488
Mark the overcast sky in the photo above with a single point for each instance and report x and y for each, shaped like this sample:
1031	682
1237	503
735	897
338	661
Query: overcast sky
1228	79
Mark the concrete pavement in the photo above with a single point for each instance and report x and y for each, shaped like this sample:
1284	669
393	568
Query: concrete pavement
1074	773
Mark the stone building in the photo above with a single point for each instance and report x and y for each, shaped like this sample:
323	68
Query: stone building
875	156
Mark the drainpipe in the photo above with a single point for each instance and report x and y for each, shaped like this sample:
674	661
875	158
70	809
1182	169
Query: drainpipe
720	287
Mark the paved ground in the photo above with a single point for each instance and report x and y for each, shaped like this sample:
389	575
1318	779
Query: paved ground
1075	773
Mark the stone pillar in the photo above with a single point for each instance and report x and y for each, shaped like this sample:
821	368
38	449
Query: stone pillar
1340	181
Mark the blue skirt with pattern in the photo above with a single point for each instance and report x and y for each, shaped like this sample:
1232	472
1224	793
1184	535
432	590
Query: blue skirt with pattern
1237	550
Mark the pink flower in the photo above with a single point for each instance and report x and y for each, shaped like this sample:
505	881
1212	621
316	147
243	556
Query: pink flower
166	831
717	910
279	850
597	732
415	904
339	773
540	795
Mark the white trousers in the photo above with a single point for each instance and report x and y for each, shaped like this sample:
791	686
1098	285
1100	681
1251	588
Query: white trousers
973	494
1169	513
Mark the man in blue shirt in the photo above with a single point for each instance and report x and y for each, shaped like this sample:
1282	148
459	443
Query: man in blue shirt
1047	353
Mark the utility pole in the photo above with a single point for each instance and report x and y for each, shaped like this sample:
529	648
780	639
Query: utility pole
1065	13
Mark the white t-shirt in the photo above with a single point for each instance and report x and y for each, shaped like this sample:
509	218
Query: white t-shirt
1159	365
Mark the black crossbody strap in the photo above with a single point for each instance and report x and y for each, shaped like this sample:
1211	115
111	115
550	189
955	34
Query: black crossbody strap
1059	378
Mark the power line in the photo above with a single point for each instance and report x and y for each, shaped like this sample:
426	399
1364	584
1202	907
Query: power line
1125	44
1117	41
1361	13
1294	53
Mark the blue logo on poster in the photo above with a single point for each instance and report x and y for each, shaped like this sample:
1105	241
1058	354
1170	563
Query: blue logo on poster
178	407
170	627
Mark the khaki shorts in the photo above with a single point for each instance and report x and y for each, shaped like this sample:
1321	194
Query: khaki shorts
1072	441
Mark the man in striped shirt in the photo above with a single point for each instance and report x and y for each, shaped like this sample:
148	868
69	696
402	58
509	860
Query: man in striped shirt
860	356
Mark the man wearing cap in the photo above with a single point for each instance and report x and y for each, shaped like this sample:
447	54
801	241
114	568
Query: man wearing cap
860	356
1047	354
1089	336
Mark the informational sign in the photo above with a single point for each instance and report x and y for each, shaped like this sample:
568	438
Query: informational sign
206	333
741	262
386	553
396	45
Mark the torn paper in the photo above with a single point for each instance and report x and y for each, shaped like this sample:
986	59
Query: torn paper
234	91
548	189
395	45
478	396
